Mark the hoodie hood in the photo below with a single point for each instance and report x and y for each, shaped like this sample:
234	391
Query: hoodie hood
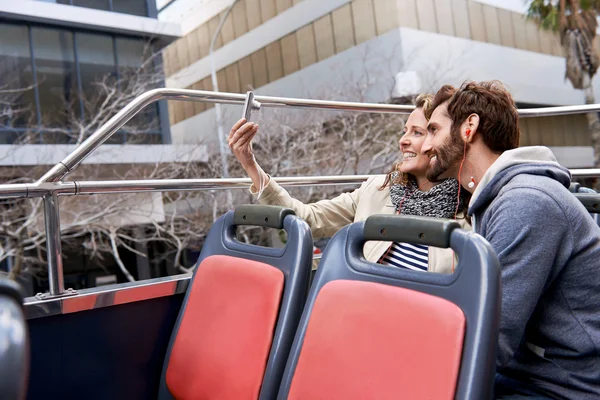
533	160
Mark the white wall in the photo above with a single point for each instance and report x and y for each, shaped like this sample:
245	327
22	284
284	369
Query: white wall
107	154
288	21
190	14
532	77
519	6
365	73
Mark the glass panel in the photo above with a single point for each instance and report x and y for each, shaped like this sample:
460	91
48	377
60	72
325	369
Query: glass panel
96	4
10	137
144	138
56	1
56	75
131	55
97	67
16	79
133	7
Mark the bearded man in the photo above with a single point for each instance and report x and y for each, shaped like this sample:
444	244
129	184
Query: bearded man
547	244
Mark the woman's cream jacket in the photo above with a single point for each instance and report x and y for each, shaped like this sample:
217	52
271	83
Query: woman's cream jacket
326	217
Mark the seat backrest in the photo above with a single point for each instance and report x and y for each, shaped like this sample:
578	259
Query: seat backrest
240	312
589	198
375	331
591	201
14	342
574	187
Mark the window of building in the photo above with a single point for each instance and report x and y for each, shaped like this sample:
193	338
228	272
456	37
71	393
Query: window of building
95	4
131	54
133	7
17	94
52	80
56	1
56	76
97	67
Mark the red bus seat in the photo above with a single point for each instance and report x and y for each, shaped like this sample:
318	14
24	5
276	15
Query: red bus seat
241	311
373	331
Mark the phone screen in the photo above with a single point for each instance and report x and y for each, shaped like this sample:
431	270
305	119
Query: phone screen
247	112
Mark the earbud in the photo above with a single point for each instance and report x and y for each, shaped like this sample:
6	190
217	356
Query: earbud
471	184
467	133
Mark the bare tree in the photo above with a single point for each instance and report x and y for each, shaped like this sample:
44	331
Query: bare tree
100	225
290	143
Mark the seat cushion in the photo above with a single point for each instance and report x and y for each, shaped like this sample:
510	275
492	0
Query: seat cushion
223	341
368	340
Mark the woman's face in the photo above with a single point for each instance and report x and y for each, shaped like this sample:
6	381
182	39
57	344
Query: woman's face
415	131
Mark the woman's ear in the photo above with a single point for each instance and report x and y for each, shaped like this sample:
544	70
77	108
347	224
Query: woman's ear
471	125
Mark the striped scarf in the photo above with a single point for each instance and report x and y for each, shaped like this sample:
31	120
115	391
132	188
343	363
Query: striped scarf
439	201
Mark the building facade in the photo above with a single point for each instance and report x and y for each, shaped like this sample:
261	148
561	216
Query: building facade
312	48
66	67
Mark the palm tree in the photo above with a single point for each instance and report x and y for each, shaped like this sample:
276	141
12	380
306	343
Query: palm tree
575	22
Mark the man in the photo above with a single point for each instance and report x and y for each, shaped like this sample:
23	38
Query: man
548	246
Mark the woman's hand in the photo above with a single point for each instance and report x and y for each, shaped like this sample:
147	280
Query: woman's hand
240	143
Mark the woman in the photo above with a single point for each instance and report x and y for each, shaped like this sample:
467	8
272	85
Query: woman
405	190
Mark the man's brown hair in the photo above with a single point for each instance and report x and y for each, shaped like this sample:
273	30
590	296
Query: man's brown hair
498	115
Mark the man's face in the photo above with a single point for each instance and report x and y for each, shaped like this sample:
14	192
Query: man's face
443	147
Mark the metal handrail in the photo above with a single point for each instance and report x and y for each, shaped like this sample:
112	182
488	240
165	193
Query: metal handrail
75	188
103	133
49	186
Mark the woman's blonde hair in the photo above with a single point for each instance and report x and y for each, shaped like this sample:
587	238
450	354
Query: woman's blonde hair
424	101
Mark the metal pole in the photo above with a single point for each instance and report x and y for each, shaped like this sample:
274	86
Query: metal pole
165	185
213	74
105	131
70	162
53	248
585	173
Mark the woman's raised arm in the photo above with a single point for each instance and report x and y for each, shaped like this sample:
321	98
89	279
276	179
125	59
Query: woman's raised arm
240	143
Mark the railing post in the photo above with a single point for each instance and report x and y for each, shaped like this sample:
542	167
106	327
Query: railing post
53	247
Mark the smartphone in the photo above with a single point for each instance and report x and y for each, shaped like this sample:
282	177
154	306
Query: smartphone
247	112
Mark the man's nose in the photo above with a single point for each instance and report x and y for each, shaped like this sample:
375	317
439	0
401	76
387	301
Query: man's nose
427	147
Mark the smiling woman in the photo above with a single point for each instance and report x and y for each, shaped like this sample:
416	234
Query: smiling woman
405	190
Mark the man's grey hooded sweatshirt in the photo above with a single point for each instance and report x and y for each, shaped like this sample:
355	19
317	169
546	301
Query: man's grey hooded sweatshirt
549	250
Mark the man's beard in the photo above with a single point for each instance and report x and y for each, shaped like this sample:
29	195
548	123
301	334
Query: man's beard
448	155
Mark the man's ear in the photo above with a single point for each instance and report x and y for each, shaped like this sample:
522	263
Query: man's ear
471	125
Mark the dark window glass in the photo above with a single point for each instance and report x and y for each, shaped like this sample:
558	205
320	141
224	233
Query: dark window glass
17	98
11	137
132	53
137	69
133	7
56	76
56	1
96	4
97	67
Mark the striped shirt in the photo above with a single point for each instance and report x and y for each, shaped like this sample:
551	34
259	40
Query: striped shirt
409	256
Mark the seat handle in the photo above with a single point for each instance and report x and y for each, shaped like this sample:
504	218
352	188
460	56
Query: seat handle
590	201
261	215
410	229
